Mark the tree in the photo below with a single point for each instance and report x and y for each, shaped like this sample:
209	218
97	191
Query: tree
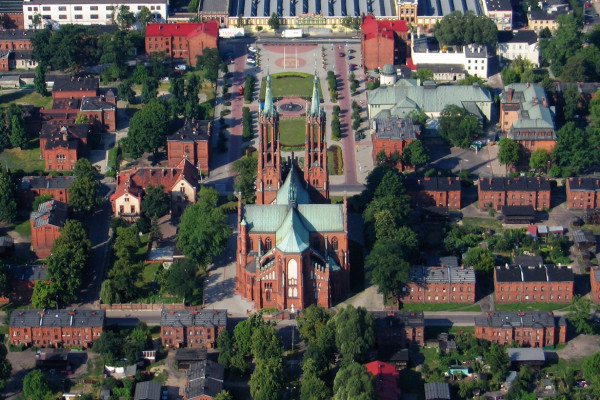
497	358
8	195
203	230
83	192
576	150
461	29
314	388
39	81
42	198
69	48
125	91
590	368
509	76
311	321
148	129
44	295
155	234
539	160
423	74
149	90
265	343
177	91
144	16
479	258
209	62
108	293
123	272
457	126
125	18
156	201
245	177
386	266
36	386
579	314
225	346
566	41
18	134
415	154
418	117
5	286
182	278
273	21
243	331
267	379
354	382
223	395
354	334
351	22
508	152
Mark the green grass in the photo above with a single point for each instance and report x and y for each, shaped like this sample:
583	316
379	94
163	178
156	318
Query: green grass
141	252
431	332
27	160
531	306
23	229
292	132
23	97
149	272
331	167
290	84
488	223
440	307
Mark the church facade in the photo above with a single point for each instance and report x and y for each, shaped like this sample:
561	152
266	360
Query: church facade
292	245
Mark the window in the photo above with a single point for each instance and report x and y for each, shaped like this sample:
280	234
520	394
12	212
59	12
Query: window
77	8
60	158
62	8
62	17
78	16
132	209
268	244
45	8
93	8
110	8
334	243
94	16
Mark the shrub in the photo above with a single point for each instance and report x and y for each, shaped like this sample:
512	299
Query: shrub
246	124
225	112
227	103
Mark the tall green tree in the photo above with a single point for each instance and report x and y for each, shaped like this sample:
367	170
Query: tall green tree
539	160
177	91
458	126
203	230
508	152
576	150
44	295
125	18
182	279
415	154
83	192
144	16
209	63
482	260
39	81
579	315
311	321
353	382
245	177
590	368
8	196
148	129
461	29
36	386
314	388
266	381
156	201
225	346
108	293
354	334
273	21
70	48
125	91
565	42
18	134
149	90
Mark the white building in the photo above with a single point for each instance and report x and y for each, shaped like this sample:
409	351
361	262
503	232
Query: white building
522	44
87	12
474	58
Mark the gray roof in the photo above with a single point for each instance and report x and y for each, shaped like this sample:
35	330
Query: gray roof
398	318
527	261
213	6
498	5
521	184
394	128
596	272
148	390
425	275
521	36
192	131
57	318
27	273
534	273
437	391
583	236
584	184
71	84
46	182
193	318
11	6
526	354
337	9
51	212
509	319
205	378
96	104
16	34
388	69
440	8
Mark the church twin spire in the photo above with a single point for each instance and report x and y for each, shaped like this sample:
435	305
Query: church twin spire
268	108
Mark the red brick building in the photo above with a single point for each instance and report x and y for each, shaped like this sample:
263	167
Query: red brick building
441	281
56	186
292	246
62	146
191	328
74	88
533	284
22	278
532	328
383	42
386	380
16	39
182	41
192	143
399	329
595	284
497	192
55	328
391	135
46	224
11	14
435	192
583	193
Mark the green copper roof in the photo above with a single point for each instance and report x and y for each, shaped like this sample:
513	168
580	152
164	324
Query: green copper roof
292	236
314	217
268	107
292	187
315	105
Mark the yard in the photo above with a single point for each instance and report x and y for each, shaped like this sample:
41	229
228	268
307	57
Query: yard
531	306
440	307
290	84
27	160
487	223
292	132
26	97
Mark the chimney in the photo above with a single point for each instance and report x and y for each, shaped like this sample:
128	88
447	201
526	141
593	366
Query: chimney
544	103
527	84
510	94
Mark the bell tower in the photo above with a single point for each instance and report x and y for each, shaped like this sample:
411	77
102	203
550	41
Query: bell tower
268	176
315	153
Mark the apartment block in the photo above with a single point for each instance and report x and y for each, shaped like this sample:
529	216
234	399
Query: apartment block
533	284
191	328
497	192
532	328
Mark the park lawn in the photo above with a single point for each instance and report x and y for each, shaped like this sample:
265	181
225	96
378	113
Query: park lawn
290	84
27	160
25	97
292	132
440	307
531	306
489	223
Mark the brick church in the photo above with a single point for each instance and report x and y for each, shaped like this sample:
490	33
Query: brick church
292	245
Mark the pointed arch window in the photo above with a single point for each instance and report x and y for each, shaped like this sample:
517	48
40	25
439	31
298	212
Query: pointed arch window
268	244
334	243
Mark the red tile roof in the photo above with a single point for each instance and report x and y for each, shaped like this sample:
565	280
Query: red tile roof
373	28
386	380
189	29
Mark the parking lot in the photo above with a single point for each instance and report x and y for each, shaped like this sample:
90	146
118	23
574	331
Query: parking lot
482	162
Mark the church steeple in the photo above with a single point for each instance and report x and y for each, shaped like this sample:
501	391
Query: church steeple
315	104
268	108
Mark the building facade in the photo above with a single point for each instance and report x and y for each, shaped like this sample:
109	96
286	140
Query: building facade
191	328
399	329
55	186
292	247
182	41
62	146
391	135
533	284
192	143
595	284
522	44
406	10
532	328
46	224
11	14
444	282
435	192
583	193
538	20
497	192
383	42
16	39
499	11
55	328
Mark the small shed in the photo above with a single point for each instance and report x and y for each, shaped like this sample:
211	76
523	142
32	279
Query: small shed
10	81
52	358
518	214
534	357
148	390
557	230
542	230
400	359
437	391
185	357
584	240
435	214
532	230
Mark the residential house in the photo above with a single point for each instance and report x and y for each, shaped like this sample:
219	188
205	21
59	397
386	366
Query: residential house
191	142
546	283
442	280
16	39
583	193
437	391
179	182
531	328
21	279
62	146
184	358
435	192
55	328
74	88
595	284
182	41
148	390
499	11
518	44
408	95
55	186
191	328
521	191
204	380
46	224
383	41
11	14
399	329
526	116
386	380
539	19
391	135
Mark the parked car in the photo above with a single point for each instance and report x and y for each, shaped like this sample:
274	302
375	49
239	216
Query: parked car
352	67
252	49
341	54
251	61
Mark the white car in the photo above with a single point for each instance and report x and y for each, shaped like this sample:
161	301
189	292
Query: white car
252	49
250	61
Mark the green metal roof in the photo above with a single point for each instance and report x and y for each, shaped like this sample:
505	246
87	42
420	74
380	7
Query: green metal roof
292	236
315	105
314	217
268	108
293	186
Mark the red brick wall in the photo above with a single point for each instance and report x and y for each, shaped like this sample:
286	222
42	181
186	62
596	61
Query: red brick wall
181	46
439	293
539	200
401	337
56	337
76	94
377	52
581	200
533	145
427	198
12	20
198	153
57	194
389	147
16	44
105	120
42	239
50	160
507	118
191	337
198	43
532	292
525	336
595	288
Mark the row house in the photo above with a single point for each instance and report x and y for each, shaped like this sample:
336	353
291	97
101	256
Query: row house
526	116
46	224
16	39
62	146
532	328
391	135
55	186
583	193
203	380
191	328
435	192
55	328
533	284
595	284
182	41
179	183
441	281
191	143
521	191
399	329
383	41
21	281
74	88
